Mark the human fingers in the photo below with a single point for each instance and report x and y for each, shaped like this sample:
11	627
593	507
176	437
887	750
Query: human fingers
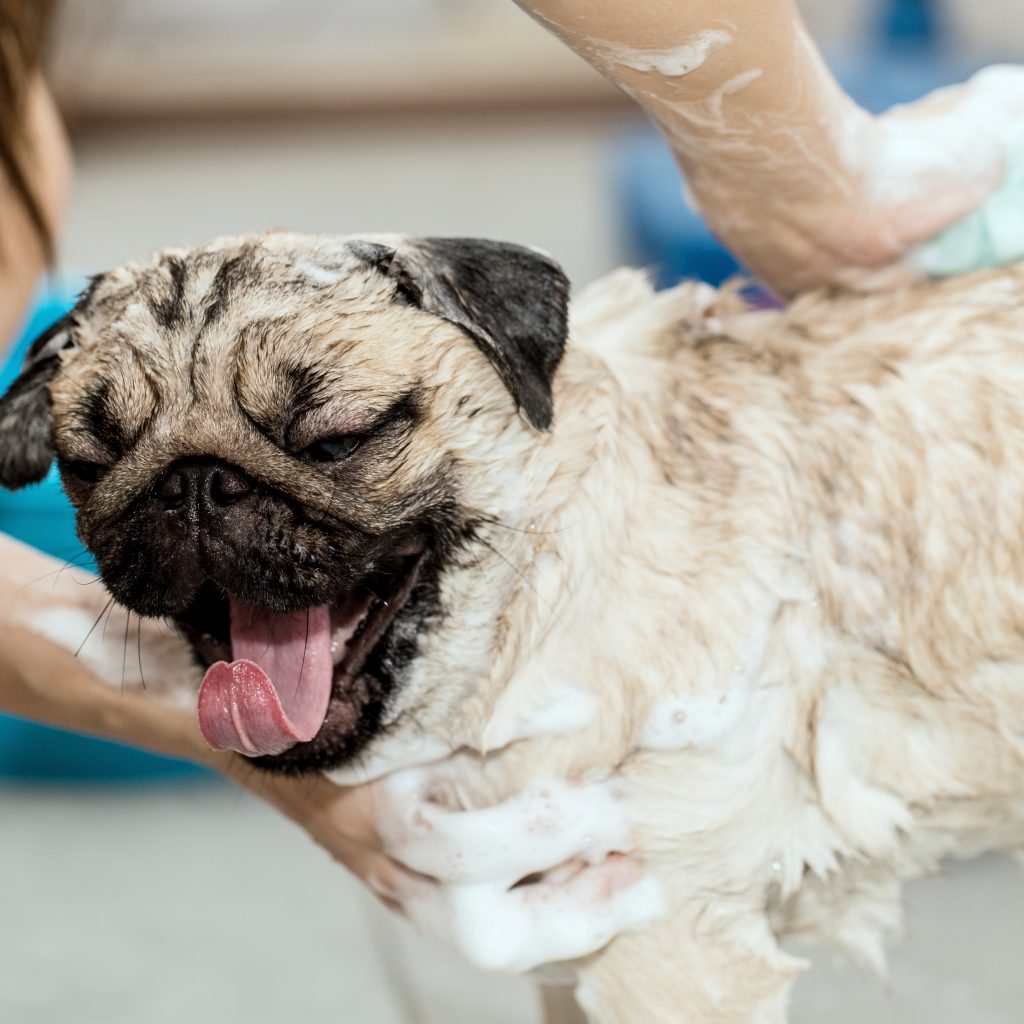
544	922
533	831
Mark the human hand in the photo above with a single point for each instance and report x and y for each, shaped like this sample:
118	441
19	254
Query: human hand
908	176
531	881
454	874
922	168
65	660
972	203
801	184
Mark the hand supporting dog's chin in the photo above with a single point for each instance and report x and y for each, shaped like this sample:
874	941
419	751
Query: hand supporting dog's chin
303	623
305	629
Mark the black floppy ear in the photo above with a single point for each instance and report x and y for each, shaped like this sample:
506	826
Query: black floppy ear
512	301
26	426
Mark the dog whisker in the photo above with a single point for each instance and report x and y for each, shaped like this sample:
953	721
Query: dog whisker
138	646
124	653
68	564
373	593
111	606
305	645
519	572
491	521
103	612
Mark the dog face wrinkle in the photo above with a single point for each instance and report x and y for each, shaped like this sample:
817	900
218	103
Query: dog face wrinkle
272	422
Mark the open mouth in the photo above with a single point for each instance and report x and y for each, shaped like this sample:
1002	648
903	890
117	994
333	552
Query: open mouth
273	679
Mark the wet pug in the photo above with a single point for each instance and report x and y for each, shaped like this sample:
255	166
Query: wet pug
759	571
257	452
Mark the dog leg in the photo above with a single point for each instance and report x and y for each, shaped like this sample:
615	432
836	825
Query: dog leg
683	972
560	1006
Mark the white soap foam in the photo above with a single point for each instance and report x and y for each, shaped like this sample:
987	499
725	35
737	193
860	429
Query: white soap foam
692	721
122	650
968	141
532	832
673	61
703	719
104	652
566	710
730	88
709	115
516	931
393	752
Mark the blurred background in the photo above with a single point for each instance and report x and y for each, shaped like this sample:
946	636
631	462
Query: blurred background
138	891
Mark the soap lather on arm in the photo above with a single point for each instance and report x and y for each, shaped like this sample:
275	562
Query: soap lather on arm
805	187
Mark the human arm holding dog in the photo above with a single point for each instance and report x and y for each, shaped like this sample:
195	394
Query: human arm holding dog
410	853
58	665
438	867
804	186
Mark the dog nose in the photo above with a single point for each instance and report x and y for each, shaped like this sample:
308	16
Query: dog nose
197	487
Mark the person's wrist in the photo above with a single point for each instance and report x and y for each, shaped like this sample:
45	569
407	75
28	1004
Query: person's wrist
795	245
805	224
790	247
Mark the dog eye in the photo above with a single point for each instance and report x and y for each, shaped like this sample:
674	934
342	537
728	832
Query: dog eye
332	449
86	472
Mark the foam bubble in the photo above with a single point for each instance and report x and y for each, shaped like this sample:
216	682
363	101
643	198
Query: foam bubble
673	61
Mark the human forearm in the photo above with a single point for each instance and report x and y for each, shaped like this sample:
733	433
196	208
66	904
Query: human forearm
804	186
759	127
44	682
737	86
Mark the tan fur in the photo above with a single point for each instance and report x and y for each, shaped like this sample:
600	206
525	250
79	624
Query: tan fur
847	481
805	526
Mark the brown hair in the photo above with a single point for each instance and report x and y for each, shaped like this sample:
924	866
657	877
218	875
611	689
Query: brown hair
24	26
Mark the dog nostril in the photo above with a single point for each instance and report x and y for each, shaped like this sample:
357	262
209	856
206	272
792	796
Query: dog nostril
195	487
228	485
173	489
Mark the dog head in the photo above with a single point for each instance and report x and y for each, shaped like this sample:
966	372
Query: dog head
286	445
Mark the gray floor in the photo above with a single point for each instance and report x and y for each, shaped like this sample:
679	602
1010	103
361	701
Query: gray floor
160	906
145	907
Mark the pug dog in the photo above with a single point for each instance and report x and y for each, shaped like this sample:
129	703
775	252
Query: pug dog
753	581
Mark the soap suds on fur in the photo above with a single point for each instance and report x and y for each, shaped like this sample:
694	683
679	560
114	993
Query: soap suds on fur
516	931
567	710
533	831
704	718
391	754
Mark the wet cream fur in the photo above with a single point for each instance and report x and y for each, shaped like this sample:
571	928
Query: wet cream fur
765	575
783	552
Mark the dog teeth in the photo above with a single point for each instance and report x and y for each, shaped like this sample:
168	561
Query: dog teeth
340	647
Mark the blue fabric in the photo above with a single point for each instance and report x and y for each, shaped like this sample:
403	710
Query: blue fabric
41	516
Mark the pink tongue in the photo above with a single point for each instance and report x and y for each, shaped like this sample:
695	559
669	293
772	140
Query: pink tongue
275	693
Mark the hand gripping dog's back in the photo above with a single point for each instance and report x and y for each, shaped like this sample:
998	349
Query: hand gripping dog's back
761	579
